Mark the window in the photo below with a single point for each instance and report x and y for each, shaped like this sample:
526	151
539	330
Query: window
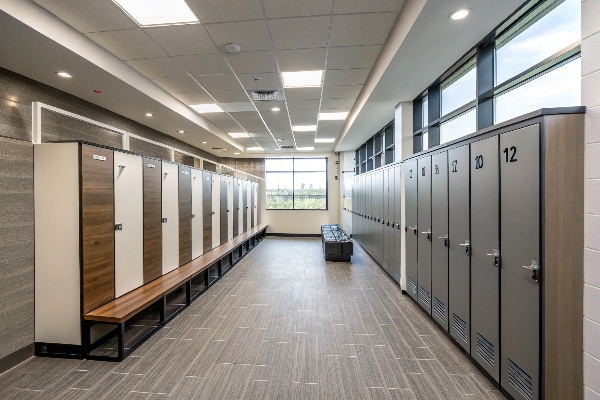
460	126
425	111
296	183
460	88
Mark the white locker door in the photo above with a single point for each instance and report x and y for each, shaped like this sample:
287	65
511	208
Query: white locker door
249	199
197	232
230	209
170	215
129	222
255	205
240	209
216	213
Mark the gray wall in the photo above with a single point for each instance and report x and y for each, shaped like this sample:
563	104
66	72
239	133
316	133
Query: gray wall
590	93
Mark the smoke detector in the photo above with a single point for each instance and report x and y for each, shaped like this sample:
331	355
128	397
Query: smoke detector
233	47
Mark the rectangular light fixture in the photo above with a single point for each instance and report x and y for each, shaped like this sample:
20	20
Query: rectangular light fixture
324	140
206	108
333	116
254	148
302	79
305	148
304	128
158	12
236	135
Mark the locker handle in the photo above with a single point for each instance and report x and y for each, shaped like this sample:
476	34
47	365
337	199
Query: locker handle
445	240
118	227
428	234
213	213
496	254
382	222
535	270
193	215
467	245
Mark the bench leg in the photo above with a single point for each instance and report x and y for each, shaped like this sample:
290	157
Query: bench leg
121	341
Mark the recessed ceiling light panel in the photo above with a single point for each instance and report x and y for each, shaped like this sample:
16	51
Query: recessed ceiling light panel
305	148
64	74
324	140
149	115
275	109
158	12
206	108
333	116
460	14
254	148
180	131
304	128
302	79
236	135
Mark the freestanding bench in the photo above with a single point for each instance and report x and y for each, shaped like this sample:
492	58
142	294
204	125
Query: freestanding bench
182	286
337	245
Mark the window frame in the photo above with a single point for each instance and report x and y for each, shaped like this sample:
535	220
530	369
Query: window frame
293	172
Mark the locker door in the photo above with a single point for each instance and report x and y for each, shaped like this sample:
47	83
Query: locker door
223	211
236	207
249	197
386	219
170	215
216	209
254	204
240	211
197	213
424	232
245	204
459	260
520	239
129	222
410	227
399	226
185	214
152	219
230	210
485	247
207	211
439	238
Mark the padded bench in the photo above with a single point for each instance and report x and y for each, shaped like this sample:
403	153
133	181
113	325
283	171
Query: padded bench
337	245
114	316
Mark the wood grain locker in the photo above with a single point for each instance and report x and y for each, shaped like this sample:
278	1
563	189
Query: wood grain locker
236	207
207	211
128	222
224	211
152	219
170	217
230	209
185	214
216	210
197	213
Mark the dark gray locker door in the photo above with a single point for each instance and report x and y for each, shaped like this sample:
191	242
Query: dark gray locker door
224	211
439	235
245	204
390	250
369	233
520	241
380	211
410	226
485	247
424	232
386	216
459	260
399	225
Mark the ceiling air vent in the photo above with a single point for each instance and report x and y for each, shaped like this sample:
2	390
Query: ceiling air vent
286	147
267	95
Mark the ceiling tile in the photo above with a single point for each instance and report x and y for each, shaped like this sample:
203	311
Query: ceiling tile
308	114
251	35
177	84
212	11
300	33
361	29
229	125
325	110
207	64
230	96
164	67
238	106
252	62
365	6
268	81
267	105
303	93
193	97
352	57
345	77
89	16
183	40
254	125
218	82
128	44
245	115
216	117
303	105
341	92
281	119
330	126
304	120
280	9
302	59
337	103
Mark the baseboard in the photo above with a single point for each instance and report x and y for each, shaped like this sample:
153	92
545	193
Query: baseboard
16	358
295	234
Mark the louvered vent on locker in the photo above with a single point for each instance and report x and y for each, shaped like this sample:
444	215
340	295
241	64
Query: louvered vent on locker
520	380
412	286
460	327
439	308
424	297
485	349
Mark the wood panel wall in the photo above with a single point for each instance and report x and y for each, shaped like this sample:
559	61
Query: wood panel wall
98	240
207	211
185	214
152	219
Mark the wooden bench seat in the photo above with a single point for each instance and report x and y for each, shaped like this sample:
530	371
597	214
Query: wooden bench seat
123	308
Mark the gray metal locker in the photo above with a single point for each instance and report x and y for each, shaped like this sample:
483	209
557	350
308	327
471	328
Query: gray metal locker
398	219
459	260
378	190
223	211
386	220
410	226
439	238
424	232
520	239
485	255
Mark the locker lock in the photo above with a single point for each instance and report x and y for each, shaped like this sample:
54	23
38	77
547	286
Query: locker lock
413	228
535	270
445	240
164	220
193	215
382	222
118	227
467	246
496	254
428	232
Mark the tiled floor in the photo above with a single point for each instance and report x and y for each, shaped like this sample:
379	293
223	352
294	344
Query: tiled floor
282	324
